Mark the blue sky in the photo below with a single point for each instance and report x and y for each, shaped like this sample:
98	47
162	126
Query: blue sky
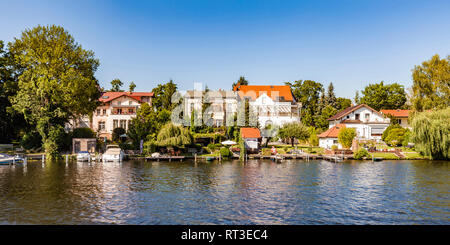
349	43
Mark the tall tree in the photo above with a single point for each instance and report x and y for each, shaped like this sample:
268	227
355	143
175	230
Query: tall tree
431	84
57	81
132	87
162	97
380	96
342	103
116	84
307	92
241	81
326	113
357	98
331	97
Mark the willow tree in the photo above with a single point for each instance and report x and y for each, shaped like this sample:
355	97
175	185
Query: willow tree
172	135
56	81
431	133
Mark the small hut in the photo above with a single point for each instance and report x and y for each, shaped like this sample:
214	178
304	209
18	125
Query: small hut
83	144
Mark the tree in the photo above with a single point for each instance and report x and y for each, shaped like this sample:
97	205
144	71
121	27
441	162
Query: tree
82	133
307	92
394	125
322	120
431	84
380	96
294	130
313	138
396	136
117	132
357	99
172	135
342	103
346	136
162	97
431	133
56	82
116	84
331	97
132	86
241	81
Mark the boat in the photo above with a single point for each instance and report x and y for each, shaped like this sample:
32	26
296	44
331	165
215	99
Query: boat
210	158
113	153
6	159
277	158
83	156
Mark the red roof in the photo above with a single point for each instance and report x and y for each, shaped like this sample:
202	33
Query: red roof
275	92
250	133
348	110
108	96
396	113
332	132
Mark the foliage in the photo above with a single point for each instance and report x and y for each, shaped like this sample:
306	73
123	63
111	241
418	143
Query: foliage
346	136
225	152
334	147
307	92
330	99
117	132
294	130
243	149
342	103
313	138
431	84
360	154
431	133
116	84
327	112
380	96
241	81
149	147
172	135
162	97
31	140
56	82
357	99
388	129
132	87
396	136
83	133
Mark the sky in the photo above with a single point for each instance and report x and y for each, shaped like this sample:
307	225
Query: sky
349	43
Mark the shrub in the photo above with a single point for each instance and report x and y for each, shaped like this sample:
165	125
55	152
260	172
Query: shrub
334	147
395	136
117	132
224	152
361	153
149	147
212	147
83	133
346	136
31	140
387	130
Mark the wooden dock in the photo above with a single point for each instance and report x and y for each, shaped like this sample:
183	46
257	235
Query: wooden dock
166	158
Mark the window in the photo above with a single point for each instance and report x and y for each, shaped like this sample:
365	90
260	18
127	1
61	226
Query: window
98	112
367	116
130	102
101	126
335	142
119	111
119	103
399	121
130	111
357	116
115	124
123	124
192	107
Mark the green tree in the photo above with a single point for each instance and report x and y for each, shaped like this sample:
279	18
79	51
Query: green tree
396	136
342	103
116	84
346	136
394	125
132	87
380	96
241	81
307	92
357	98
117	132
331	97
322	120
294	130
172	135
313	138
431	133
56	82
431	84
162	97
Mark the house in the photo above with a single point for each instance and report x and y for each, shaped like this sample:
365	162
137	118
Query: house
251	137
400	115
273	104
223	104
369	123
117	109
330	137
83	144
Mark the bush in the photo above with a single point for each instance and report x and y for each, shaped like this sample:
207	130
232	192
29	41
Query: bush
212	147
334	147
149	147
224	152
31	140
117	132
396	136
361	153
346	136
387	130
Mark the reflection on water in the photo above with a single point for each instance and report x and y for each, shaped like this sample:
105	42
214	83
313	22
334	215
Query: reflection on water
258	192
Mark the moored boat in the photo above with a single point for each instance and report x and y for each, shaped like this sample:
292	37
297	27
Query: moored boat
113	153
6	159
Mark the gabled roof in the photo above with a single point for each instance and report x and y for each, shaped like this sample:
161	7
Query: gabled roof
275	92
396	113
350	109
250	133
332	132
108	96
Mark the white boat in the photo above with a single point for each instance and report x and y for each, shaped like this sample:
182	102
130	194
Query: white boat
83	156
113	153
8	159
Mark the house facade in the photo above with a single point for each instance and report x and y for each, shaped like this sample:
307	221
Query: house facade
400	115
330	137
369	123
273	105
117	109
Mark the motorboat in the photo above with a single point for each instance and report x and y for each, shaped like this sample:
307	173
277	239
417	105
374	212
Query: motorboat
6	159
113	153
83	156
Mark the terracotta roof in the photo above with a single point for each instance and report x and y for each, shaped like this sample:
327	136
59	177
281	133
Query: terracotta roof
348	110
275	92
396	113
250	133
332	132
108	96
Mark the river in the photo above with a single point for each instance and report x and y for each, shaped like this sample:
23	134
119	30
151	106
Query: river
231	192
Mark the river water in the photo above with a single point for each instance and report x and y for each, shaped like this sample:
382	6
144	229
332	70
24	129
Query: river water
257	192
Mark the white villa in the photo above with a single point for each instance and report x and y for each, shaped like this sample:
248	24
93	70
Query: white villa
274	105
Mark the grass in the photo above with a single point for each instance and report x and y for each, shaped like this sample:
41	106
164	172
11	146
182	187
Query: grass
386	155
414	155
